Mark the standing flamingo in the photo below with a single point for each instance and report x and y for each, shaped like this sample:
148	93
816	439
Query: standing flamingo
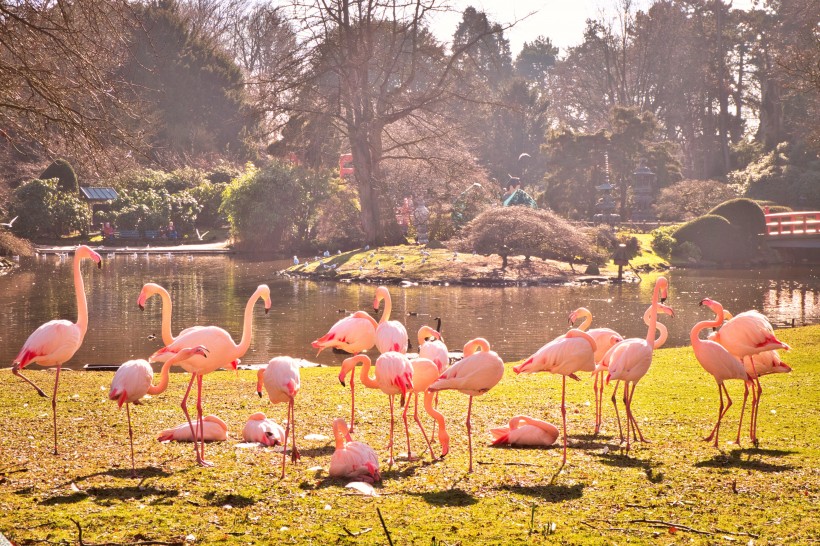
133	380
265	431
432	347
629	360
604	339
391	335
282	382
479	371
745	335
352	334
425	372
565	355
719	362
223	353
393	375
56	341
523	430
351	459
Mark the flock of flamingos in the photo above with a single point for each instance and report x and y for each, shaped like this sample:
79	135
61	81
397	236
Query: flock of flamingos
744	348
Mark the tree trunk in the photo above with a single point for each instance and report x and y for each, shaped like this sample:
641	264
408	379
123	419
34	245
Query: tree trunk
722	90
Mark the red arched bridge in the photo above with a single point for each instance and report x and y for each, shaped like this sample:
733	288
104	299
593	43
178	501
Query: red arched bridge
793	229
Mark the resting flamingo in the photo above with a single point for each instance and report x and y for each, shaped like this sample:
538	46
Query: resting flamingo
479	371
604	339
524	430
629	360
391	335
719	362
133	380
351	459
663	335
352	334
282	382
745	335
262	430
224	352
565	355
213	429
56	341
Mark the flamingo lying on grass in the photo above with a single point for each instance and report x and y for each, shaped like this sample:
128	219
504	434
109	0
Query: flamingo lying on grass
351	459
56	341
523	430
262	430
213	429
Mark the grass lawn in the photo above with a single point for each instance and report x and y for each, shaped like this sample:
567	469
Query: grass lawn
675	490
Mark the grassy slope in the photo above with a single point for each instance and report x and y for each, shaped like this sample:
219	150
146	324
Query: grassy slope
771	492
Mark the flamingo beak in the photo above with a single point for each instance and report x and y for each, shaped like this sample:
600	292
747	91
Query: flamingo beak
259	393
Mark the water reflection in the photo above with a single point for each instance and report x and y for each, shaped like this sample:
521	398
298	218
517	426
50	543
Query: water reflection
214	290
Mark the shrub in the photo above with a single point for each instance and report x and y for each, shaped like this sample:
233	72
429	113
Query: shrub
662	241
689	252
141	209
209	198
337	223
64	173
42	209
513	231
788	174
688	199
718	240
11	245
744	214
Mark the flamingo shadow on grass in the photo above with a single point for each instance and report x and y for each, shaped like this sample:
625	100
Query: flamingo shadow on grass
735	459
232	499
624	461
590	442
106	494
449	497
549	493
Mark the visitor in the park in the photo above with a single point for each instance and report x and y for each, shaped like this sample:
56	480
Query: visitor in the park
172	231
108	230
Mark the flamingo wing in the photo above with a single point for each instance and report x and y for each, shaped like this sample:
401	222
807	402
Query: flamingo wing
52	343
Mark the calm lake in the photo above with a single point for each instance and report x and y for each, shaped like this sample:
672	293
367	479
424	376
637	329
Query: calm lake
214	290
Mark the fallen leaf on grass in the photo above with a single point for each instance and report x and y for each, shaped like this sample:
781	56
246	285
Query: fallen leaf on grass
363	488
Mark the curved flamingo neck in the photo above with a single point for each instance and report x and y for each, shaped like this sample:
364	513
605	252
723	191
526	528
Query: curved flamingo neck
79	292
424	333
167	335
477	344
587	315
383	295
580	333
694	335
653	314
340	433
247	325
364	374
163	378
663	333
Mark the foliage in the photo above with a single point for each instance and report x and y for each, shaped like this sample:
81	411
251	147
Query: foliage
209	197
141	209
11	245
65	175
337	223
744	214
787	175
513	231
42	209
255	224
677	478
688	252
689	199
663	241
719	241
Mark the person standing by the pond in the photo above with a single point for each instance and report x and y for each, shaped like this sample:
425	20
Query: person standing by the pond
172	231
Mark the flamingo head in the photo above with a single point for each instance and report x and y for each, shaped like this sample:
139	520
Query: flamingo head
663	288
85	252
264	292
666	309
381	294
148	290
259	376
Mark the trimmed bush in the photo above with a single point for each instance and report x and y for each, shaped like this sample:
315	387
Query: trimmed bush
719	241
64	173
744	214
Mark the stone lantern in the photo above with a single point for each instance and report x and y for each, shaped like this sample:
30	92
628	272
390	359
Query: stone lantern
643	188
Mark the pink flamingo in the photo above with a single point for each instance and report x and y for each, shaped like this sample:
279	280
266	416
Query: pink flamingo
565	355
663	335
56	341
629	360
352	334
152	289
213	429
393	375
265	431
479	371
432	347
224	352
282	382
133	380
425	373
391	335
745	335
715	359
523	430
351	459
604	339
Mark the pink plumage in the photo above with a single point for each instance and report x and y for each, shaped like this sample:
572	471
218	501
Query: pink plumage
523	430
432	347
214	430
351	459
262	430
282	382
391	335
352	334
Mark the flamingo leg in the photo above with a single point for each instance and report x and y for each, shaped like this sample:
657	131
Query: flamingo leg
597	403
294	451
626	409
184	405
421	427
54	405
352	400
743	408
390	461
131	438
564	415
635	426
433	433
202	460
407	430
721	412
470	433
756	407
285	444
16	371
617	415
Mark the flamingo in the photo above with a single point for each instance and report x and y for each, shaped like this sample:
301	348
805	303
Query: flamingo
391	335
213	429
223	353
425	372
715	359
133	380
282	382
523	430
152	289
663	335
353	334
745	335
351	459
565	355
265	431
431	346
479	371
393	375
56	341
604	339
629	360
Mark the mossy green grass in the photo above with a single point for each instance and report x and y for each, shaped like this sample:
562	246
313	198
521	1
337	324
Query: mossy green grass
677	489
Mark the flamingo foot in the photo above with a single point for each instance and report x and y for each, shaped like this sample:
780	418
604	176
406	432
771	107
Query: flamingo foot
390	463
411	458
295	455
202	462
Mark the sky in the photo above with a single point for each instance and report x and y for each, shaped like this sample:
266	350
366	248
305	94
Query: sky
562	21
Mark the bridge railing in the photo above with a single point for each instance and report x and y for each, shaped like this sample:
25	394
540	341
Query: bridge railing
793	223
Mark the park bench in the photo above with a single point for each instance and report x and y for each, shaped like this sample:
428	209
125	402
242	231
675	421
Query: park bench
135	234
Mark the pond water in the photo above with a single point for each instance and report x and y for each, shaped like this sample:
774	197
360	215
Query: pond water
214	290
